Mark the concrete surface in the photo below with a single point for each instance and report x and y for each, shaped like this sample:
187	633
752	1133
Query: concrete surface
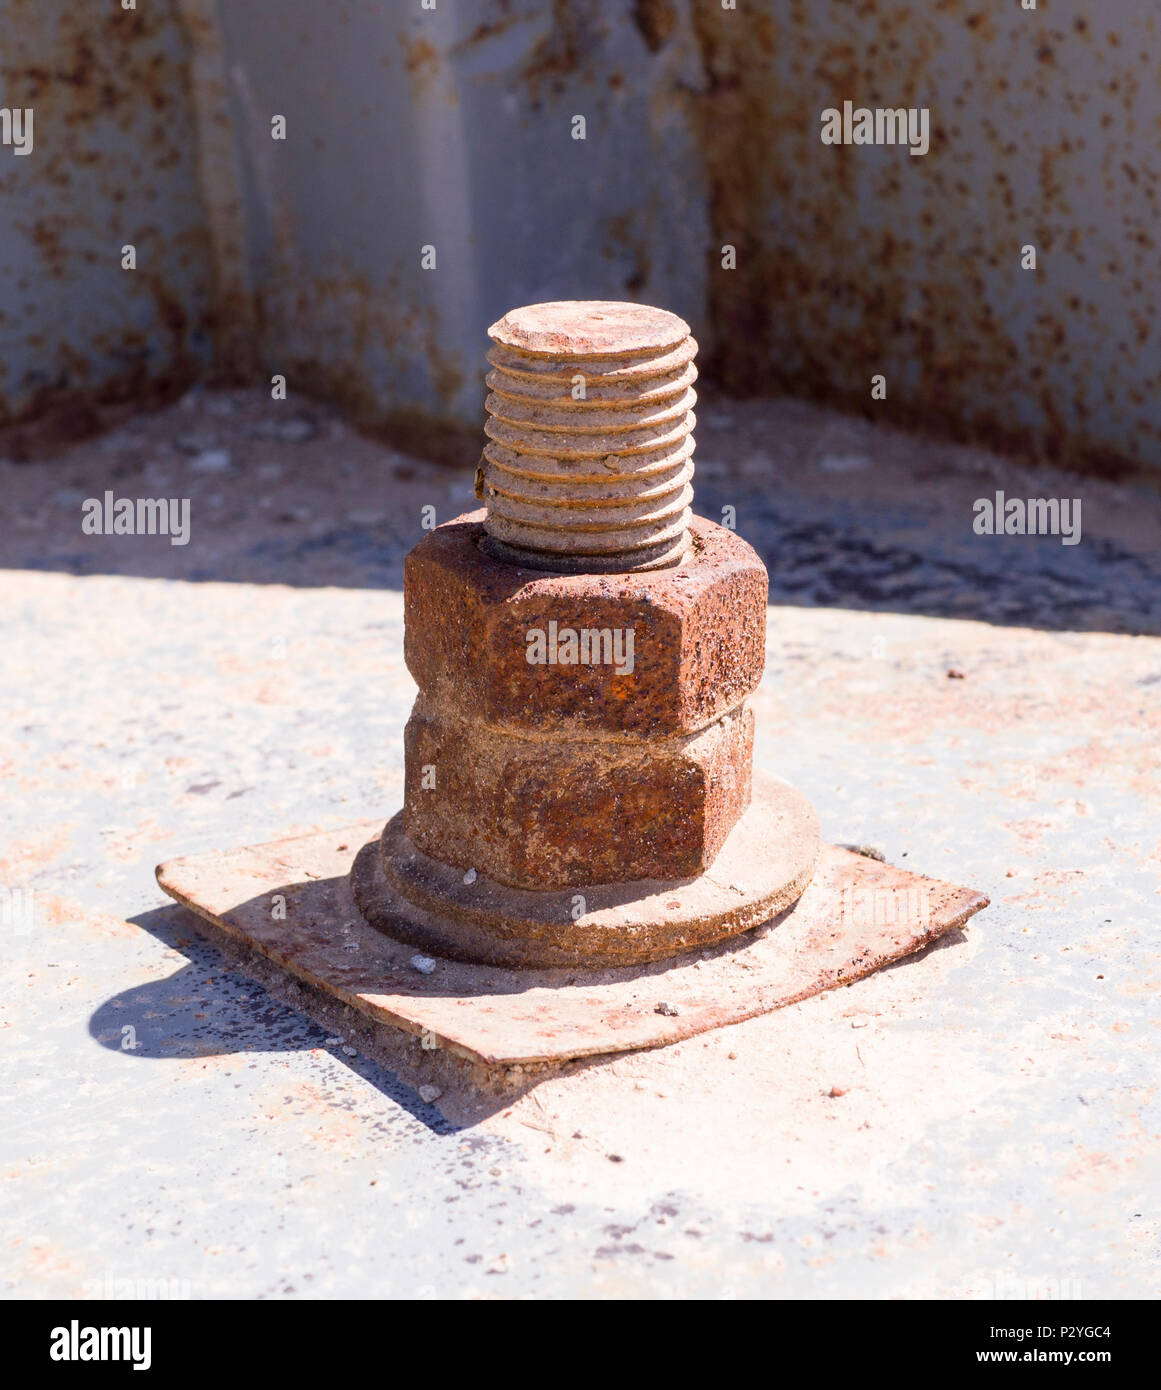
983	1118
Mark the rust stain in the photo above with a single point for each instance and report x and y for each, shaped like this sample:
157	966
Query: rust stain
561	56
421	62
656	19
362	322
26	858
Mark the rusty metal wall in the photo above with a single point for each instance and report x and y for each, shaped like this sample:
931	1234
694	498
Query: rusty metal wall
112	162
452	127
859	260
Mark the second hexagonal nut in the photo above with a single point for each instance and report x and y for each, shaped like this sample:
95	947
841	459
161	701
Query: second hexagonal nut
545	813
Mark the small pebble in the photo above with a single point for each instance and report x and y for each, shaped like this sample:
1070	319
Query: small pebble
194	443
837	1091
667	1009
867	851
350	1051
295	430
471	876
292	431
212	461
424	964
954	675
843	463
429	1093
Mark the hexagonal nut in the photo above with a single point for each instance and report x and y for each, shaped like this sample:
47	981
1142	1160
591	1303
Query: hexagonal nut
661	652
549	813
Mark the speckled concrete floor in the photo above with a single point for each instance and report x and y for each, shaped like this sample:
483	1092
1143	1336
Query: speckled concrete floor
169	1121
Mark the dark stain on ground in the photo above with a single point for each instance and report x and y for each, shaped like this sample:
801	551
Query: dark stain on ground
416	432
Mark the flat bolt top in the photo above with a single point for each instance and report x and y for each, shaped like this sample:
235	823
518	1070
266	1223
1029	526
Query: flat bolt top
589	328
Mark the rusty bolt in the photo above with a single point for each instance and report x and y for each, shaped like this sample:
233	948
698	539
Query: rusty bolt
579	784
590	418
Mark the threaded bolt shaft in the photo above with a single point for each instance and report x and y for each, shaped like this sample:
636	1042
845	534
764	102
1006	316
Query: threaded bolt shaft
589	464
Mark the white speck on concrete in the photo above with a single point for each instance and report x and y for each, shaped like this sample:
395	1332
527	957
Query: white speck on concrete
212	461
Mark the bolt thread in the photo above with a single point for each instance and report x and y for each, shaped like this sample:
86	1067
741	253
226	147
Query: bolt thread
589	463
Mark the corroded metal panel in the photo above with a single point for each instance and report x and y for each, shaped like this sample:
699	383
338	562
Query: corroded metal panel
111	163
854	261
453	129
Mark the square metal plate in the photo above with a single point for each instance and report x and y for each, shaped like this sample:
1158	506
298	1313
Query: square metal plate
290	901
